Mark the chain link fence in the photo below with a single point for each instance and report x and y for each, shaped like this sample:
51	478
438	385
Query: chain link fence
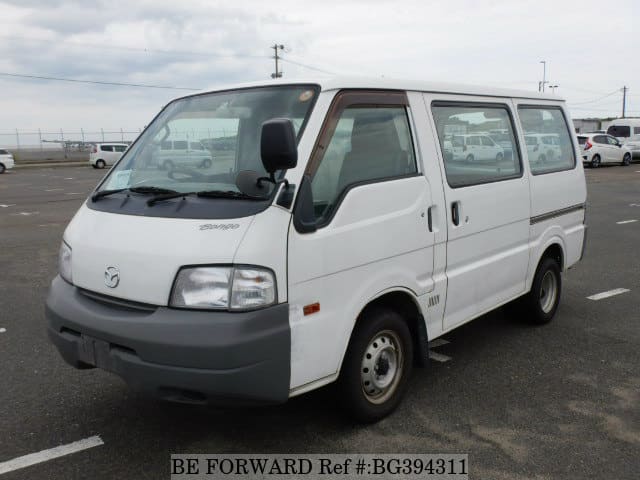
33	146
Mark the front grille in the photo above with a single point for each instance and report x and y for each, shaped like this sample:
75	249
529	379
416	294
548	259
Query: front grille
118	302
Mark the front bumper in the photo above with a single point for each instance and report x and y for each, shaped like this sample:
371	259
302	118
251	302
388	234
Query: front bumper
178	355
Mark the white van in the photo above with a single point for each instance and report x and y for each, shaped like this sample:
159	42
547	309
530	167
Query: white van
331	244
103	154
624	128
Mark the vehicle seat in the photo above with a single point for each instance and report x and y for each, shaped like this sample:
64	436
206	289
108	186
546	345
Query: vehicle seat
375	151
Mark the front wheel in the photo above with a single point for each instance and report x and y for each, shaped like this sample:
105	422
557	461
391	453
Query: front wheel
542	301
469	158
100	164
377	365
499	157
2	168
626	160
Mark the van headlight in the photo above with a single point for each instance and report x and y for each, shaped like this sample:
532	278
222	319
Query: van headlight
64	262
223	288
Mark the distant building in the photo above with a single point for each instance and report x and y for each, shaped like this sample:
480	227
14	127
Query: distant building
584	125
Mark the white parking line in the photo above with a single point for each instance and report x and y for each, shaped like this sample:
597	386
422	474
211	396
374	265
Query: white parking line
54	189
7	206
3	330
50	454
626	221
26	214
438	342
609	293
73	193
634	204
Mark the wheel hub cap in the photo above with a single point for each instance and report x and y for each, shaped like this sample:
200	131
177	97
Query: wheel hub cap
381	366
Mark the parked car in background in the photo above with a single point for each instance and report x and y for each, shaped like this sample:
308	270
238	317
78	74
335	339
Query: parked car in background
103	154
6	160
542	147
183	153
633	144
597	149
476	147
624	128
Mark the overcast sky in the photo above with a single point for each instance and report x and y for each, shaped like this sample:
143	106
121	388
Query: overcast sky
588	47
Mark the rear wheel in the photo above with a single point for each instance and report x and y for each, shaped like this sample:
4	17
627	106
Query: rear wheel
595	161
2	168
167	165
469	158
626	160
206	163
100	164
499	157
542	301
377	365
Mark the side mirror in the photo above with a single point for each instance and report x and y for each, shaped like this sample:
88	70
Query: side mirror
278	147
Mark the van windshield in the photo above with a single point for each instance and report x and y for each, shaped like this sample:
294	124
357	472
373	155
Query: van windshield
202	142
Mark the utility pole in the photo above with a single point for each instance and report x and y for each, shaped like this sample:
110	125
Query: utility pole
624	100
544	76
277	47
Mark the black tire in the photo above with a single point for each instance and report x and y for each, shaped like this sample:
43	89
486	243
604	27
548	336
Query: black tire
384	333
595	161
2	168
499	157
100	164
542	301
469	158
626	160
206	163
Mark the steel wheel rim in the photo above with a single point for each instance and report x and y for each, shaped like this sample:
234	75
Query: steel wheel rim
548	291
382	366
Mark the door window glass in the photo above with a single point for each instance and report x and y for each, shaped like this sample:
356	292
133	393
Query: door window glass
106	148
120	148
554	151
368	144
468	164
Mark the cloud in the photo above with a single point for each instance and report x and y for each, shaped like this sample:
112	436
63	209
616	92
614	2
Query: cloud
195	43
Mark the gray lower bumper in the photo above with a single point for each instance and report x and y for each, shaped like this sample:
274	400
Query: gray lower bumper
179	355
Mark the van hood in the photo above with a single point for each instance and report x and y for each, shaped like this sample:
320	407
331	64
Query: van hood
146	251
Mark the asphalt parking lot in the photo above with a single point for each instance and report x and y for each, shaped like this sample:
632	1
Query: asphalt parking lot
559	401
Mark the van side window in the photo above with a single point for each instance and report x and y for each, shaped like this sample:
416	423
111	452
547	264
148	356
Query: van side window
368	144
553	150
636	130
477	143
619	130
119	148
106	148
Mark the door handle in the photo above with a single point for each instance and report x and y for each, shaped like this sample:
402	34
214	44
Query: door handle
430	219
455	213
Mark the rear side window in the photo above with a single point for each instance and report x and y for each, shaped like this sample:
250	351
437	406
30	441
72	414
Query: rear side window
602	139
582	140
636	130
180	145
479	160
548	121
619	131
106	148
368	144
3	152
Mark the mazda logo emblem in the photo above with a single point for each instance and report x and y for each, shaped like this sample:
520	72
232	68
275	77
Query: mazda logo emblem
111	277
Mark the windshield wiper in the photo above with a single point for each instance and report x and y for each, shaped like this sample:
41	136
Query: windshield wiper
142	189
202	193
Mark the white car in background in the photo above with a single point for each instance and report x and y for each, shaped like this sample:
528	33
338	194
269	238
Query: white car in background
476	147
542	147
182	153
103	154
6	160
633	144
598	148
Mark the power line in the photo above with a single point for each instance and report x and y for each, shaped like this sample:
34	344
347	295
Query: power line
94	82
305	66
596	99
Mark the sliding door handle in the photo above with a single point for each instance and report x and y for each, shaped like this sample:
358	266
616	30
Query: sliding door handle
455	213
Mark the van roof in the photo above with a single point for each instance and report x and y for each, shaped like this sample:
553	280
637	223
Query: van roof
343	82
